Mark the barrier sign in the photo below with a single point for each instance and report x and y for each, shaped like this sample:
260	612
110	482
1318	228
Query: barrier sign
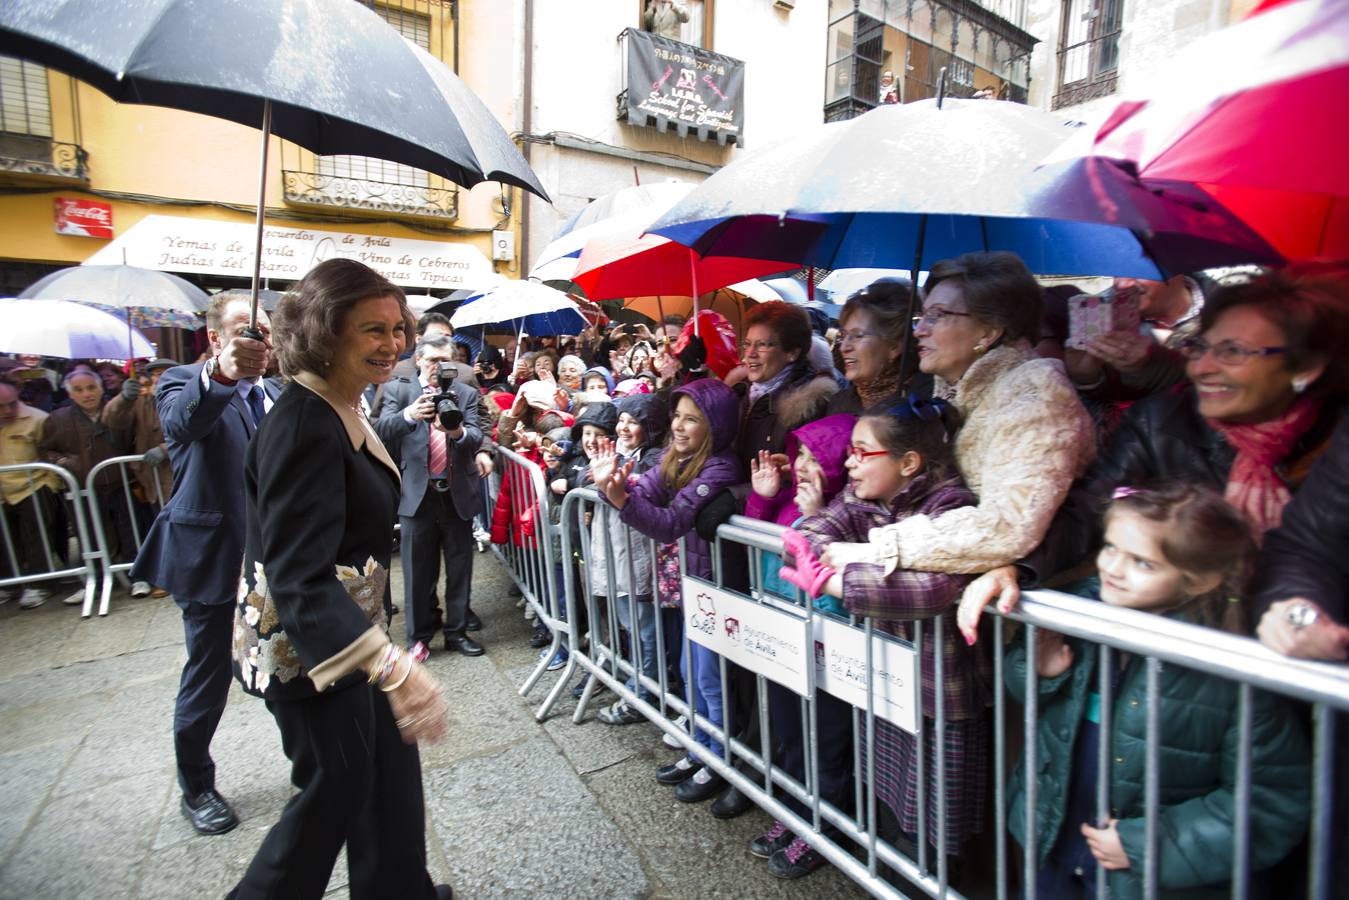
756	637
775	644
841	670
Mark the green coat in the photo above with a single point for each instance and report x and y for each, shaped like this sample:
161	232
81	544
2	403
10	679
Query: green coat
1198	765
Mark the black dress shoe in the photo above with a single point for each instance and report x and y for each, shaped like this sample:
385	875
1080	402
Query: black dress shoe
472	622
731	803
674	774
209	813
464	645
692	791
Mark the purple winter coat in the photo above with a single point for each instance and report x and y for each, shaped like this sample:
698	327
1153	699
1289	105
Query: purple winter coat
666	515
828	440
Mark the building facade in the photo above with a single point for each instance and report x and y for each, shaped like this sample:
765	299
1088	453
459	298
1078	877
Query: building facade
1092	53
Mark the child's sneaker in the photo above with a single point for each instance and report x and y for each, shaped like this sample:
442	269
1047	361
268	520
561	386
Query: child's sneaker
558	661
620	714
670	740
796	860
771	841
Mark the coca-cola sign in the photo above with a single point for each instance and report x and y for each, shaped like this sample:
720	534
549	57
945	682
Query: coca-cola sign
84	218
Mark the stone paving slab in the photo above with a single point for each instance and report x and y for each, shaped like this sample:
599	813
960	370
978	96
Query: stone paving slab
89	805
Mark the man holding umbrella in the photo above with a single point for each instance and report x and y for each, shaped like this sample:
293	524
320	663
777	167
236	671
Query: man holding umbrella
195	547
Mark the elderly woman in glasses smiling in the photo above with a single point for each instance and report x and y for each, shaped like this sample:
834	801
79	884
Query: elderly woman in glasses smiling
1025	436
1268	380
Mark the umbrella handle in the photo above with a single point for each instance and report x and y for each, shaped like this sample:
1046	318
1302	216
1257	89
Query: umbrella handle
252	330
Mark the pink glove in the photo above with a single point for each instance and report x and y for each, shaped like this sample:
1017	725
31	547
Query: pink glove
808	574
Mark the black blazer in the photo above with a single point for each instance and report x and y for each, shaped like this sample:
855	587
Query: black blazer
320	492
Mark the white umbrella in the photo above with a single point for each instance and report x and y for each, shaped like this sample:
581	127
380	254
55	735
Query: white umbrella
68	330
841	284
514	301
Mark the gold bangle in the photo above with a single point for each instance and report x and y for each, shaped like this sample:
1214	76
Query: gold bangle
389	688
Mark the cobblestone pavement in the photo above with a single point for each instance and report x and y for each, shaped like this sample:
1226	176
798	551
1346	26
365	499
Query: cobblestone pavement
89	804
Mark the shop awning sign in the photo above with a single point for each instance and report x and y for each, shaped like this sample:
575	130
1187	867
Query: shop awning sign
205	247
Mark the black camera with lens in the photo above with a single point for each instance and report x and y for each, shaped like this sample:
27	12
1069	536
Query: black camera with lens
447	410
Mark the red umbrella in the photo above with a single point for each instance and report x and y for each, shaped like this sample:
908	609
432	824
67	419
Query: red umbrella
1254	115
652	264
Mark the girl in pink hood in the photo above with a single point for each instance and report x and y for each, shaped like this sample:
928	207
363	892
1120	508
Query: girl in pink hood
816	456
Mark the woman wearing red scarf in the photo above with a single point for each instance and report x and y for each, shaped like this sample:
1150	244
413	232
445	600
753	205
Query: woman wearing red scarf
1268	382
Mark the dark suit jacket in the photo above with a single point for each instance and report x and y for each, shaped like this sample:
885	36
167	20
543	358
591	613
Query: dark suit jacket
408	445
196	545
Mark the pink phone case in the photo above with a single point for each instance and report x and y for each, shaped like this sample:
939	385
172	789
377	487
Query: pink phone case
1093	315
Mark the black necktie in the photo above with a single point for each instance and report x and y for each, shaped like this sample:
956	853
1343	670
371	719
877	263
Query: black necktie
255	404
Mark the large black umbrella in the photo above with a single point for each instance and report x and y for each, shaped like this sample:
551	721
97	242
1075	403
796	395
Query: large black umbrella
329	75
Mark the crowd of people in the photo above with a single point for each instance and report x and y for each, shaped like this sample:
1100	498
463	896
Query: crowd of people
928	457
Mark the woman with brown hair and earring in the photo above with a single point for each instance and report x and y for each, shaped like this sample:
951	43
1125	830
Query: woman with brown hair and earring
310	635
873	330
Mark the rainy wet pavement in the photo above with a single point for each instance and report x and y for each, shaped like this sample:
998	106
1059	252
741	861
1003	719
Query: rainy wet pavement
89	803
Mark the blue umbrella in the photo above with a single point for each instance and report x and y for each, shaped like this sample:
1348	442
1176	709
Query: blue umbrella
904	186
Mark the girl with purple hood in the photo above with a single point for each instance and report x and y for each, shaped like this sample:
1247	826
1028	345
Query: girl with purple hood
695	466
815	457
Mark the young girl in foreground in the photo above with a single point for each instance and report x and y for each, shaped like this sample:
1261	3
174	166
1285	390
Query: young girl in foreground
1178	551
901	464
696	465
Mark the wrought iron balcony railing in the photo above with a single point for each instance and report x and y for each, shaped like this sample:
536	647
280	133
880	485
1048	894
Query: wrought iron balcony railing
41	158
420	200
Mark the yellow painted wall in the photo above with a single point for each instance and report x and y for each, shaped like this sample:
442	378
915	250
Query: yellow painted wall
170	156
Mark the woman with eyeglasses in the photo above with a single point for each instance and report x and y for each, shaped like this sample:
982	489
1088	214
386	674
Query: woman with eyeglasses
1026	435
1268	379
873	332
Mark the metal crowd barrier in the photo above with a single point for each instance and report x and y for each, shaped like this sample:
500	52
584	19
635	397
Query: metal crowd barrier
790	643
123	503
55	566
532	560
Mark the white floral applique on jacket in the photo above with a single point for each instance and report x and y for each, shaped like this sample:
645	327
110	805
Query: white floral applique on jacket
261	648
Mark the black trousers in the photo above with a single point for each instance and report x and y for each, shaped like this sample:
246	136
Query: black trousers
359	785
27	523
834	734
436	532
202	691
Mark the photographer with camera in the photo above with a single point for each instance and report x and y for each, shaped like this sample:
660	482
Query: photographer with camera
433	427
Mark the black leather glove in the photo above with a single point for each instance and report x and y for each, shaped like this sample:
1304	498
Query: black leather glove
131	389
715	513
155	455
694	355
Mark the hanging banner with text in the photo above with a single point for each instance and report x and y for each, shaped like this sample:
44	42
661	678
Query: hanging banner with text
777	645
205	247
698	92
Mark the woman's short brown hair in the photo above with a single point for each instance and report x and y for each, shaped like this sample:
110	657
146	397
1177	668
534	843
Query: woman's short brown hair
998	289
1309	303
311	315
789	324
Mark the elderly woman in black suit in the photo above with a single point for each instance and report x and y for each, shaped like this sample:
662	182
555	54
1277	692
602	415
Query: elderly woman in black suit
310	635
